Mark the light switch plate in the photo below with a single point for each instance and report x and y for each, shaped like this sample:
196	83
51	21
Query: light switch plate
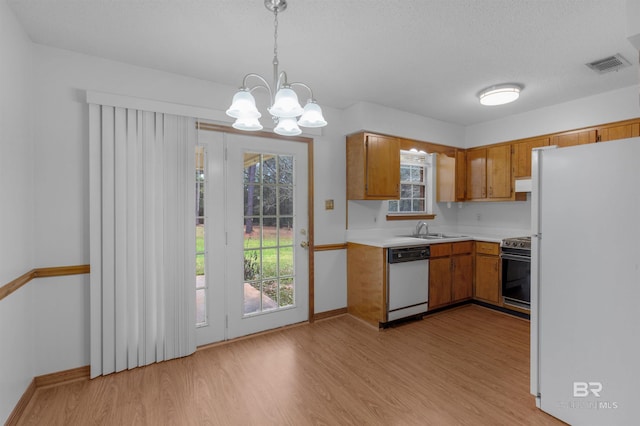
328	204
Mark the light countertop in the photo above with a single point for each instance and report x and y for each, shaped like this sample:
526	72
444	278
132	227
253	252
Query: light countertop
382	240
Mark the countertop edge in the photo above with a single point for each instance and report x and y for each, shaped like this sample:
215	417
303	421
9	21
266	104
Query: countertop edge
391	242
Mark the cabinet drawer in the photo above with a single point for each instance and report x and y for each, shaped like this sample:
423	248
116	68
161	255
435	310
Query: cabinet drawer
462	247
487	248
440	250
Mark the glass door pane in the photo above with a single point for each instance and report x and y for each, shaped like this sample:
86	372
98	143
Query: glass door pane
268	223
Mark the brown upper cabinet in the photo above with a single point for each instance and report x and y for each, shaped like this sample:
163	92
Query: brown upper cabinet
451	173
499	171
461	175
603	133
522	155
574	137
622	130
373	167
477	174
489	173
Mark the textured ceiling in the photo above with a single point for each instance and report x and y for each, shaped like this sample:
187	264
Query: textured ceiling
428	57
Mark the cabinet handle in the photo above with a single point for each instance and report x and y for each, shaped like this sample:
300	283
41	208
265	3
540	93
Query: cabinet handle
496	266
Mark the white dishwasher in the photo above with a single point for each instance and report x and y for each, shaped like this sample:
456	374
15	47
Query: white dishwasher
407	281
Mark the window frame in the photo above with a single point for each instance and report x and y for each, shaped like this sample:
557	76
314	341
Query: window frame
428	182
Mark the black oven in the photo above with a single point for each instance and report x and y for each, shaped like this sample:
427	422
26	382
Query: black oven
515	254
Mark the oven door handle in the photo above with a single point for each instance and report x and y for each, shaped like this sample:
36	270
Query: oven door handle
509	256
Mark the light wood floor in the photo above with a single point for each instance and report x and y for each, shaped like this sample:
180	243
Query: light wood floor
466	366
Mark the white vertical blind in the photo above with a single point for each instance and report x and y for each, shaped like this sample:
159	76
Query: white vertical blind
142	231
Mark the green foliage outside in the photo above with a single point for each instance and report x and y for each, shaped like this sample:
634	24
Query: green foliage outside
269	263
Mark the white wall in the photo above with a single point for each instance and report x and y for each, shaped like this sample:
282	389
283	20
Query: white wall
381	119
633	24
621	104
62	206
16	211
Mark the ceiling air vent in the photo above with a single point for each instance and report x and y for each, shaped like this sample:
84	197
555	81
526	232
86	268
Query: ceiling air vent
612	63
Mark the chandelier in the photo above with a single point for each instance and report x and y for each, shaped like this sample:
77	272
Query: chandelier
285	109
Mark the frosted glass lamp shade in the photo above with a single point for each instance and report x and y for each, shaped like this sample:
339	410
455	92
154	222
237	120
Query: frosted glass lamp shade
312	116
286	104
247	123
287	127
243	106
500	95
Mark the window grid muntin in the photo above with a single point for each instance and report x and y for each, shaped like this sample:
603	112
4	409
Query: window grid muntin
274	183
414	184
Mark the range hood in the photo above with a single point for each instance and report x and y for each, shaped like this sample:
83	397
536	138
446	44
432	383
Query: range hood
523	185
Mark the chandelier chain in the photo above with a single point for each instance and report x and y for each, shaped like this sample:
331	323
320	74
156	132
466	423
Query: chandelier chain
275	34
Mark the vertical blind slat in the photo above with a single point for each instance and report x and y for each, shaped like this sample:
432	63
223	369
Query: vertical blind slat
108	244
133	280
120	238
95	243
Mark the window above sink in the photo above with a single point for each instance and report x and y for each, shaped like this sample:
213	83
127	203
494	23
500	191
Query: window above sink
416	185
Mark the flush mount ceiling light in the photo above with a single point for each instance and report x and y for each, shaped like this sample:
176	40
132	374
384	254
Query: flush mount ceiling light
500	94
285	107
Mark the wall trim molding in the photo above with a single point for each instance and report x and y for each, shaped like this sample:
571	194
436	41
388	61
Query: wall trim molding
46	381
55	271
18	410
327	247
63	377
330	314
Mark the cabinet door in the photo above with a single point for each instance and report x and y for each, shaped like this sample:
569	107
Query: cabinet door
461	175
621	131
462	277
477	174
439	282
446	178
382	167
499	171
488	278
522	156
577	137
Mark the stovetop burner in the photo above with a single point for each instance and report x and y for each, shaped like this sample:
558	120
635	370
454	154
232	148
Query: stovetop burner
522	243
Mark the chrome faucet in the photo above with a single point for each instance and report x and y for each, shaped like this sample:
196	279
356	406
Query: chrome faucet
420	225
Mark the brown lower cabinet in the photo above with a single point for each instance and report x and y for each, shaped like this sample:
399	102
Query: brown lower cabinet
450	273
487	272
367	283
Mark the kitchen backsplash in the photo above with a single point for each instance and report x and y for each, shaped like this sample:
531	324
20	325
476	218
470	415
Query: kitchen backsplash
514	215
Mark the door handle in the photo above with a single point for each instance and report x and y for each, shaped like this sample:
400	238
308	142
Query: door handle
304	244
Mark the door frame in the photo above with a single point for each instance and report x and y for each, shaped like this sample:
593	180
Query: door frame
309	142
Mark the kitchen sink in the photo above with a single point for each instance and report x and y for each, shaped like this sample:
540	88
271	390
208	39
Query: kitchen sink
438	236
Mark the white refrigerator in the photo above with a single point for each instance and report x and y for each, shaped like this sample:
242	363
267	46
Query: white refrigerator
585	283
